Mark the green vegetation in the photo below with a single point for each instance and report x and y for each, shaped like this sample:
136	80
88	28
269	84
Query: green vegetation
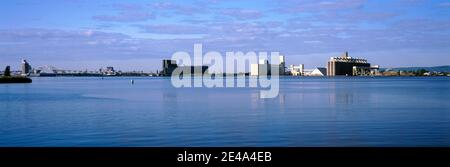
418	72
421	72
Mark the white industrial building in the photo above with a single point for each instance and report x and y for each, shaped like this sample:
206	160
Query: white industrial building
264	67
297	70
301	71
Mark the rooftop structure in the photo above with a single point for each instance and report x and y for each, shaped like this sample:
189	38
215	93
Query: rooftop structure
345	64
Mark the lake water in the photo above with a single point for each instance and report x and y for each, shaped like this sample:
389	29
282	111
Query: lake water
347	111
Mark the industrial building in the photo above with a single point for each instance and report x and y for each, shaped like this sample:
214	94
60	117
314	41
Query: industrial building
282	65
366	71
346	65
110	71
264	67
254	69
301	71
170	65
297	70
26	68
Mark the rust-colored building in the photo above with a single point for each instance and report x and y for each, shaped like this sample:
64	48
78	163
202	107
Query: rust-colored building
344	65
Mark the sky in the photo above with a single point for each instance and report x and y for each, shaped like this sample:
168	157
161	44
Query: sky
138	34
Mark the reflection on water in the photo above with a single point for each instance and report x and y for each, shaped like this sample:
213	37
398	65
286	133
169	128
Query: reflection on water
341	98
347	111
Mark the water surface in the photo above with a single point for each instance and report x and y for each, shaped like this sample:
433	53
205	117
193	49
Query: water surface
347	111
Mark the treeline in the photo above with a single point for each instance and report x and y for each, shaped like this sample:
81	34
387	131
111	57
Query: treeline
423	72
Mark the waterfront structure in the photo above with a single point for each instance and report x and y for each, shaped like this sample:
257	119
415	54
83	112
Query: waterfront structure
264	67
366	71
301	71
170	65
26	68
110	71
319	71
50	71
297	70
254	69
282	66
7	72
345	64
6	78
194	70
361	71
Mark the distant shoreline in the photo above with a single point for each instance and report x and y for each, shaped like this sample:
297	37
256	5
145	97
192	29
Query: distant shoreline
282	76
10	80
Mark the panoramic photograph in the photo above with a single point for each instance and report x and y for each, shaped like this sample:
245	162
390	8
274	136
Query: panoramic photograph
224	74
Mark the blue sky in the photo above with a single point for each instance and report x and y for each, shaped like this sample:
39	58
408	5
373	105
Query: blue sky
137	34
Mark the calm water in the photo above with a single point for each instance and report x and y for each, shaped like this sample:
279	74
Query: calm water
308	112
